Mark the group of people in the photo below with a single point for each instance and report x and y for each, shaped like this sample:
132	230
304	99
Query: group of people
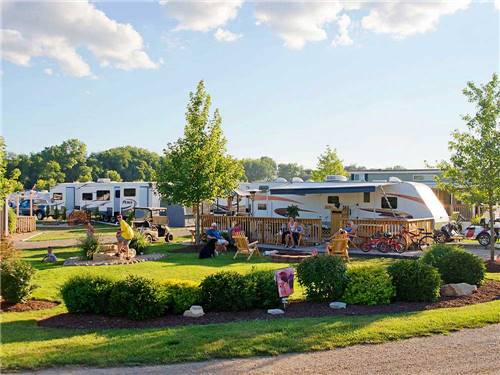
291	232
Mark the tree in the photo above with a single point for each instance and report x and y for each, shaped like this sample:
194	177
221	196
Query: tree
196	167
8	182
262	169
113	175
292	211
290	170
396	167
354	167
328	164
473	171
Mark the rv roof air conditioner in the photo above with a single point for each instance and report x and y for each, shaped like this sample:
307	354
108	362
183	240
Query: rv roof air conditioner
335	178
296	180
104	180
394	179
281	179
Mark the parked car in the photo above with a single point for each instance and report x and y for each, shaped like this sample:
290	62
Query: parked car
40	208
152	222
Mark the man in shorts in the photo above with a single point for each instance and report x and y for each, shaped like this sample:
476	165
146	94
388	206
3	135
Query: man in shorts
124	235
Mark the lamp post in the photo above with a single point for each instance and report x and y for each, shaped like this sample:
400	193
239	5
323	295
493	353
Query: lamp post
252	193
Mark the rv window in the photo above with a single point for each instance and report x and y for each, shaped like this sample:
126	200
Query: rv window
262	206
366	197
57	196
117	193
263	188
86	196
334	199
129	192
103	195
392	200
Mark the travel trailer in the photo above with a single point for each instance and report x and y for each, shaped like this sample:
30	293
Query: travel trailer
364	200
105	197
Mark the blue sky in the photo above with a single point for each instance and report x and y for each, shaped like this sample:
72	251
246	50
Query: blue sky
381	82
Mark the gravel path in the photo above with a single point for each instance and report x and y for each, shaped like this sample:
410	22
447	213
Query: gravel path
472	351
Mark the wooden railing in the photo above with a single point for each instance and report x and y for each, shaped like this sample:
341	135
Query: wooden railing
25	224
264	229
465	210
368	227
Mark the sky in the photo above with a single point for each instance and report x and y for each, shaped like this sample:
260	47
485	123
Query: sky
379	81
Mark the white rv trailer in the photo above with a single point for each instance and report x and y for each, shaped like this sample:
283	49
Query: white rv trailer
104	196
366	200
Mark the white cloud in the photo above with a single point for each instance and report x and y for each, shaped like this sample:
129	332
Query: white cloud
57	29
199	15
298	22
404	18
343	38
497	4
48	71
226	36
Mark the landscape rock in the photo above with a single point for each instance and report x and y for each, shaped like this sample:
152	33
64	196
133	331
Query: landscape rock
275	312
194	312
457	290
338	305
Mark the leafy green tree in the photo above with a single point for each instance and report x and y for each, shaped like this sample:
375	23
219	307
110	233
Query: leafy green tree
50	175
292	211
85	174
8	183
113	175
262	169
473	171
328	164
290	170
196	167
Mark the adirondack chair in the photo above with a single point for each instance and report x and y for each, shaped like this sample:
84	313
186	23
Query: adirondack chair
243	247
338	246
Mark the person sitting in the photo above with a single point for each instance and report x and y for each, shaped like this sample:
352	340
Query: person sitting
236	229
340	234
50	257
213	233
297	231
286	232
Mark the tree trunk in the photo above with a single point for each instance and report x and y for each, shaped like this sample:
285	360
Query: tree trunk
197	224
492	233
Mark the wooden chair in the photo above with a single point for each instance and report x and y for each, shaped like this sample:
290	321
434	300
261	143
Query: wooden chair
244	247
338	246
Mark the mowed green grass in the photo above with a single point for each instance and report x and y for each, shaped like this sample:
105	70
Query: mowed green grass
25	345
79	231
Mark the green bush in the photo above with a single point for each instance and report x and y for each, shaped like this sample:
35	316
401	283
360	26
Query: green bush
323	277
456	265
56	214
225	291
63	213
89	245
16	280
368	286
139	242
87	294
261	288
137	298
181	295
415	281
12	220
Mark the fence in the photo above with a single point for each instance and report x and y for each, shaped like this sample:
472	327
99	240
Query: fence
25	224
264	229
368	227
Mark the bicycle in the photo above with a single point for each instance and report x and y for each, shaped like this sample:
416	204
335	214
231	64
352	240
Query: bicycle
420	240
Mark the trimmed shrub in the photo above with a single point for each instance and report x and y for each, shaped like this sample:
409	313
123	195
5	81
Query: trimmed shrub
12	220
261	287
369	286
139	242
137	298
225	291
323	277
87	294
456	265
7	249
16	280
89	245
181	295
415	281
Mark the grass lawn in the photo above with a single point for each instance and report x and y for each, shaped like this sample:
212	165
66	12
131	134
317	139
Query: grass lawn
25	345
79	231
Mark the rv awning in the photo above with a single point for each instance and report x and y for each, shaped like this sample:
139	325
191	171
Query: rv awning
324	188
241	193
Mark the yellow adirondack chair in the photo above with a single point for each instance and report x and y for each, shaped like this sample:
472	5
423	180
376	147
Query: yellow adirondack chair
244	247
338	246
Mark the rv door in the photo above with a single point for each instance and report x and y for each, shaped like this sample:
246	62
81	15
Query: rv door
70	199
144	196
117	200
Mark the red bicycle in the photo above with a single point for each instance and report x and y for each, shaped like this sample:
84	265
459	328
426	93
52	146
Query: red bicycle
382	242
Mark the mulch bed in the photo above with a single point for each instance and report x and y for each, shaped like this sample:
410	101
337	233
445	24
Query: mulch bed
492	266
490	291
30	305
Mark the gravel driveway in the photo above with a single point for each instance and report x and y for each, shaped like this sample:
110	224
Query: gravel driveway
472	351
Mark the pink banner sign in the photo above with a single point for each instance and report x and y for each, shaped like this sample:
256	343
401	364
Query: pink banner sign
284	281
